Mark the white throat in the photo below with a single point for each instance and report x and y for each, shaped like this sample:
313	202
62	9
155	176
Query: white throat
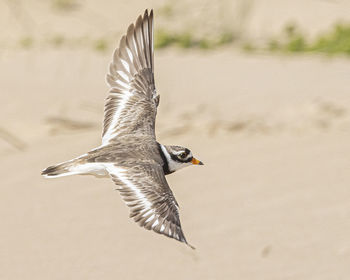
173	165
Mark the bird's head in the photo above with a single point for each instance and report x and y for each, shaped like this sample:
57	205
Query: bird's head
178	157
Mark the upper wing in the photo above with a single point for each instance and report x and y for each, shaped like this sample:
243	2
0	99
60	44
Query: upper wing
146	191
131	106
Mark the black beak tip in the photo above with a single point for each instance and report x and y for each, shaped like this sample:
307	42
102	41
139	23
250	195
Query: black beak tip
200	163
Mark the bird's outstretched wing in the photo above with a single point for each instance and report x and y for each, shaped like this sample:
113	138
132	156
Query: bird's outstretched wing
145	190
131	105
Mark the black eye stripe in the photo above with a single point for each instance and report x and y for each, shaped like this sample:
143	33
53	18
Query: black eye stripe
178	159
174	157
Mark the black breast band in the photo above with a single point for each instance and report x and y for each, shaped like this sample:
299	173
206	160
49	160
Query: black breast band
165	161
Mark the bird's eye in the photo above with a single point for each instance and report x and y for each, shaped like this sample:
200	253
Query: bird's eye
182	155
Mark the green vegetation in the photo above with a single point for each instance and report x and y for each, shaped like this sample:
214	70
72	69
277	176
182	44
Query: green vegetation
335	41
101	45
163	39
57	41
292	39
187	40
198	32
248	47
65	5
26	42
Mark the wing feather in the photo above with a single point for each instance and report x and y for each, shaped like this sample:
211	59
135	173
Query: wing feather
152	204
131	106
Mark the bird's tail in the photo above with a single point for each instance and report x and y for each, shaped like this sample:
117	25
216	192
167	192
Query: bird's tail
62	169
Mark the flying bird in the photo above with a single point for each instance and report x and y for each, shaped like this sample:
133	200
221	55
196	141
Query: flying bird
130	153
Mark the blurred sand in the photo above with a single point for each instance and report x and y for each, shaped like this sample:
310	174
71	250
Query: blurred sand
271	201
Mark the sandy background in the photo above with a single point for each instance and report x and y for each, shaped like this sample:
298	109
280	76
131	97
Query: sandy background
271	201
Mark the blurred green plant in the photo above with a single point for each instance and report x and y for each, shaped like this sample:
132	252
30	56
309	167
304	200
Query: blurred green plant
225	38
65	5
187	40
248	47
273	45
295	39
163	39
296	44
57	40
205	44
101	45
292	39
335	41
26	42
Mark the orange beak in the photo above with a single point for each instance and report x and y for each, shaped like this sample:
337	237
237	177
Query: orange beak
196	161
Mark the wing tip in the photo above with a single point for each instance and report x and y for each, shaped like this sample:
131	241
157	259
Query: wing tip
182	238
176	234
150	12
191	246
147	16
